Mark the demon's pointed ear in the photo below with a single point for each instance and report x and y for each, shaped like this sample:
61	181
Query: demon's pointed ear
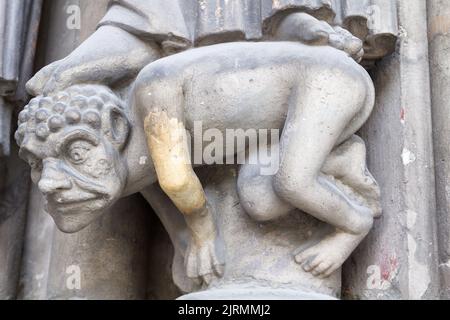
116	126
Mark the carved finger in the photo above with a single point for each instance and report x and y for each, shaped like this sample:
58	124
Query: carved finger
207	260
219	269
191	264
207	278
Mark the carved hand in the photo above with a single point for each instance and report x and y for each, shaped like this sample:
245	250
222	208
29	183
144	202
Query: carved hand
201	259
109	55
305	28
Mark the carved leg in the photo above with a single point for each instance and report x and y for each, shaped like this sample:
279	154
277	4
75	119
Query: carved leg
315	121
307	29
167	142
346	164
257	196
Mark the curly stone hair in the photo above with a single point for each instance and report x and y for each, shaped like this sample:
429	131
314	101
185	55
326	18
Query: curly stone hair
77	104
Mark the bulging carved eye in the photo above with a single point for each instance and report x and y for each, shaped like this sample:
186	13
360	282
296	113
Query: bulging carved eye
77	152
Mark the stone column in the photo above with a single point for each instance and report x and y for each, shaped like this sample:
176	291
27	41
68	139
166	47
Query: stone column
37	250
5	127
107	260
439	40
19	21
14	186
398	259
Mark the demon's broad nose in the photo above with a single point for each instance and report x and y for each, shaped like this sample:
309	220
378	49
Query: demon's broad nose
53	178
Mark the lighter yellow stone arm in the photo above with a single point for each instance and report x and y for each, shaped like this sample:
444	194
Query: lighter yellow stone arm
167	142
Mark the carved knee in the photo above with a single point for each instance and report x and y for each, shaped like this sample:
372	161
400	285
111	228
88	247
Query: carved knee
363	225
259	200
293	187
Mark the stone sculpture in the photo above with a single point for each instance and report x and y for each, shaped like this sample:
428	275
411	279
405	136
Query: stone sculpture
85	142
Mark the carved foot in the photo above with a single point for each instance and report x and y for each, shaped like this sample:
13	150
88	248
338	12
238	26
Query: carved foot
368	188
324	258
347	163
343	40
307	29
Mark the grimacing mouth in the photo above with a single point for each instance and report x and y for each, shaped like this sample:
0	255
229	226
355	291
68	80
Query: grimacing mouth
77	206
63	200
75	198
76	195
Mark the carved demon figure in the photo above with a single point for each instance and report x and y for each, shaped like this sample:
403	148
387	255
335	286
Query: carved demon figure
84	143
319	97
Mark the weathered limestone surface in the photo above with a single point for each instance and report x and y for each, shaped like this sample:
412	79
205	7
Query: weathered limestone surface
99	148
98	151
19	22
127	253
109	255
13	204
439	39
160	282
259	255
5	126
37	249
398	260
113	256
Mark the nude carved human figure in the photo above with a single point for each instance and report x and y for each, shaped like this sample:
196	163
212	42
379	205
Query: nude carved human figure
83	143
